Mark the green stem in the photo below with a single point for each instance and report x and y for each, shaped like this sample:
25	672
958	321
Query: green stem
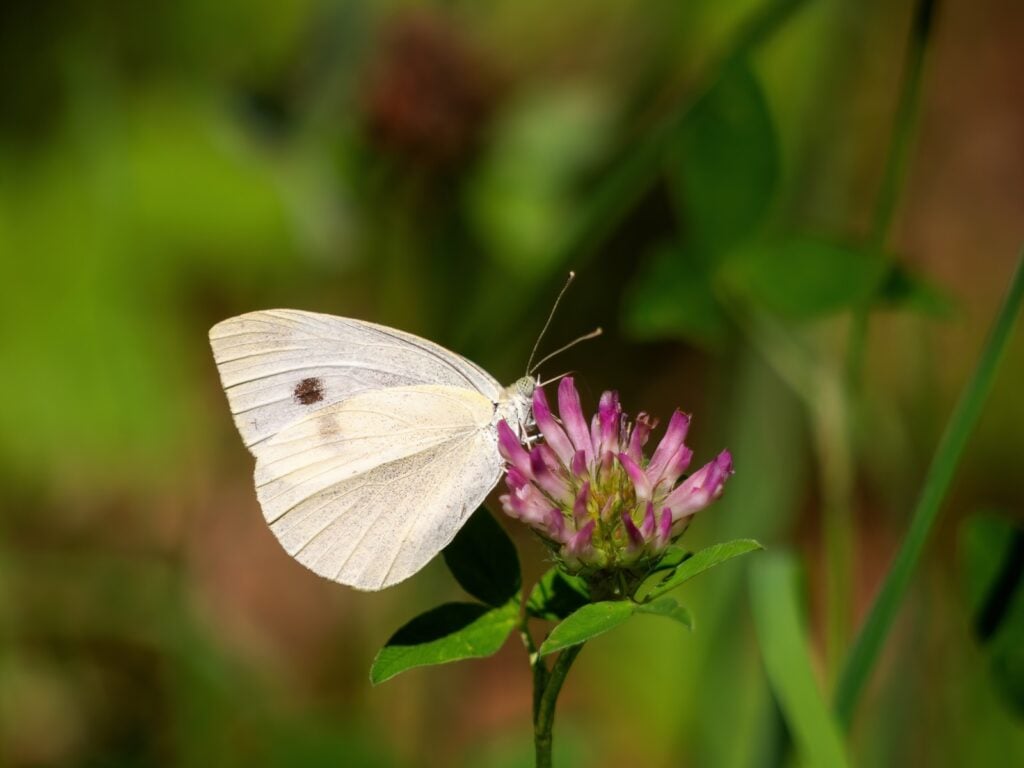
821	389
895	171
831	435
940	474
838	503
537	666
544	718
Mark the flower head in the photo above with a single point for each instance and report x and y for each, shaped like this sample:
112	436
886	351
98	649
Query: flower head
590	491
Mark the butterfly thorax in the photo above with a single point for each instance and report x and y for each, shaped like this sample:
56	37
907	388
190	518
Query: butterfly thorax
515	404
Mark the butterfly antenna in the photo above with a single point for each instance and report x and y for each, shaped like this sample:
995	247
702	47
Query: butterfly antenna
561	293
585	337
553	379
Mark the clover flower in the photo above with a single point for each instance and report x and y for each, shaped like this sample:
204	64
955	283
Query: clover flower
590	492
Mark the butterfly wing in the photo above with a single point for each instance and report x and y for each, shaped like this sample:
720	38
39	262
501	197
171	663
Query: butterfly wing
278	365
366	491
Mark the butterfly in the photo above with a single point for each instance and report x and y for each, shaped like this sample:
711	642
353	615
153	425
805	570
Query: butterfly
373	446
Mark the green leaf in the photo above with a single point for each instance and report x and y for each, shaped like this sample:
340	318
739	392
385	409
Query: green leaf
787	661
482	558
668	607
707	558
450	632
992	561
672	296
557	595
802	278
589	621
725	160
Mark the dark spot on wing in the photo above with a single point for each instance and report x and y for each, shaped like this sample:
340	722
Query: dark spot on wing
308	391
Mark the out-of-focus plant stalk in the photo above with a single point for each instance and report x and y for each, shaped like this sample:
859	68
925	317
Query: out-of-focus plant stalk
821	388
837	481
831	435
895	171
940	474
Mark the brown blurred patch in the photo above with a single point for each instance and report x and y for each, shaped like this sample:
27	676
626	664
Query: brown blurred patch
427	93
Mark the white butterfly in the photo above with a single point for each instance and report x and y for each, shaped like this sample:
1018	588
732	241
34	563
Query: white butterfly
372	446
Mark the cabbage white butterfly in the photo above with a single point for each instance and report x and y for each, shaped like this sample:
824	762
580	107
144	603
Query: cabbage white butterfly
373	446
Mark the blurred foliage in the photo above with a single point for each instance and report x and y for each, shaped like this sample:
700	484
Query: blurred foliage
992	554
439	167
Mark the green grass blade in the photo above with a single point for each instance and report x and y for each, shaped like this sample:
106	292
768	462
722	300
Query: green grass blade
781	635
869	642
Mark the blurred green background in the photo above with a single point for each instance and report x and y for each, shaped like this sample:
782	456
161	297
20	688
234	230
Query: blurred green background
793	219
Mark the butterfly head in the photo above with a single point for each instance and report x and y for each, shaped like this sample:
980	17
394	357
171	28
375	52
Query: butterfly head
516	404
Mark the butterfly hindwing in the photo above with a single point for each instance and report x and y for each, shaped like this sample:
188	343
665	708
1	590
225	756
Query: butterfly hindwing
366	491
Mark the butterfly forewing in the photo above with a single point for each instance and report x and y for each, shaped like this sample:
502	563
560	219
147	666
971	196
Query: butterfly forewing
278	365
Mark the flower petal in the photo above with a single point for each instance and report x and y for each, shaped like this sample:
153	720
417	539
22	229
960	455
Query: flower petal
553	433
648	524
701	488
580	541
511	450
674	468
515	479
636	539
675	434
579	464
572	417
541	459
664	527
527	504
605	428
579	507
637	476
556	525
638	437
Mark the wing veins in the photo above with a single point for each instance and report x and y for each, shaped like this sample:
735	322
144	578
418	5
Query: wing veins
376	466
264	353
345	365
376	517
341	441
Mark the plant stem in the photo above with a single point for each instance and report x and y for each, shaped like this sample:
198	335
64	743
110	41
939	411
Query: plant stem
820	387
839	535
537	665
828	406
895	171
940	474
544	716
